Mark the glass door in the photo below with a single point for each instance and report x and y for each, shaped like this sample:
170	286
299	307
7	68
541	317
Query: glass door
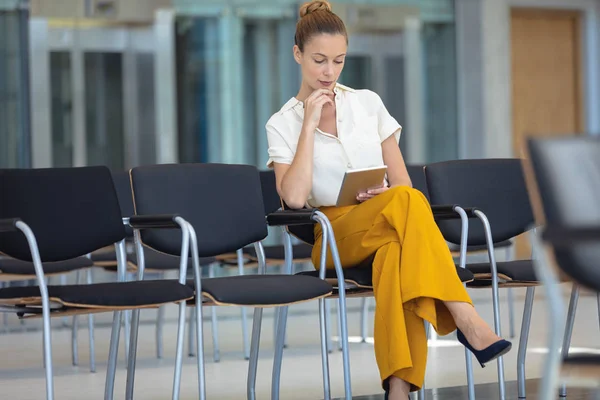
101	83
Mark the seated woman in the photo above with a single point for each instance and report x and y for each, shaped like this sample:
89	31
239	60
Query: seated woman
329	128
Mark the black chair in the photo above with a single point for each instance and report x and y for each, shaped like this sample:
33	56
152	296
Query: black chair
567	175
496	189
12	270
357	279
61	214
224	208
419	181
155	262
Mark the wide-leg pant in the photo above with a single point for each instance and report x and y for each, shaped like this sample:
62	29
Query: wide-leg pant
413	274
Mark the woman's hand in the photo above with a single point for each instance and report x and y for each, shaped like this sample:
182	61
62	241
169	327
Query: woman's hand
313	105
372	192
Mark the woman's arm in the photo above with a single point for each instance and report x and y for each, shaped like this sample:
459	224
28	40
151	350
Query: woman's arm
392	157
294	181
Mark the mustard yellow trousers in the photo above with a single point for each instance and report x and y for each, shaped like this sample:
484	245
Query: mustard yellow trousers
413	274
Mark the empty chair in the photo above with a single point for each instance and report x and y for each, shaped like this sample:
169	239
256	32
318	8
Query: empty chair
496	189
419	181
224	207
567	179
57	215
155	263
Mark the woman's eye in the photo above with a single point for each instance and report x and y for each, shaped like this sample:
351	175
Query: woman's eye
339	62
319	61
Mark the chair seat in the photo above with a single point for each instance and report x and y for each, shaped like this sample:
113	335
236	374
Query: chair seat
263	290
455	247
160	261
121	295
104	256
516	273
154	260
362	277
586	366
299	251
18	267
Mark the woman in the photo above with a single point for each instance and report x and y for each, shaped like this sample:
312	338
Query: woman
329	128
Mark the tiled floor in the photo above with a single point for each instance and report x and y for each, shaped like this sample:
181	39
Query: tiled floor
21	372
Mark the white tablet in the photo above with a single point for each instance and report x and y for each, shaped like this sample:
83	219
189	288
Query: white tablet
359	180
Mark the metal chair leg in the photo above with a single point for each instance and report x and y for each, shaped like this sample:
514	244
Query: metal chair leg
244	310
160	319
254	352
127	333
510	298
192	333
278	356
364	316
343	318
109	387
495	298
324	350
74	325
549	381
569	330
129	386
598	299
525	325
214	323
90	280
328	325
179	351
75	341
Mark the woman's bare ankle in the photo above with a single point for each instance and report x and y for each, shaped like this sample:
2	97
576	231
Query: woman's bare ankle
479	334
399	388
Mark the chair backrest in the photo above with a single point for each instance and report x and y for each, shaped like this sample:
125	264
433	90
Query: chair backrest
72	211
495	186
222	202
268	185
567	174
123	188
417	176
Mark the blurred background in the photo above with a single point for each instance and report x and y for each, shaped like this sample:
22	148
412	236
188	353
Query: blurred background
130	82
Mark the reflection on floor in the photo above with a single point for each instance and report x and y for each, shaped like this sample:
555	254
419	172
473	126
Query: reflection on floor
489	391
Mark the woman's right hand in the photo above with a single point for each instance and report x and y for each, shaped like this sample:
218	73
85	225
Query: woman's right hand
313	106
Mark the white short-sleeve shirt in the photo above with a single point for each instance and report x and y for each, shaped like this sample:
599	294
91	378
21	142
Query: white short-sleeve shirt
363	123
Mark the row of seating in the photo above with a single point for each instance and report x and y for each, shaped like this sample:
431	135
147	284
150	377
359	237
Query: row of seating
220	209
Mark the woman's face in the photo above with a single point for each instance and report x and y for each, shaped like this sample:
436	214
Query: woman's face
322	60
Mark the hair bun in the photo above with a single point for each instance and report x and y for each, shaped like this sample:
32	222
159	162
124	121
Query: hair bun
314	5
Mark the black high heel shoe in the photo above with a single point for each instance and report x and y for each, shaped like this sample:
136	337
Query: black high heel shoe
488	354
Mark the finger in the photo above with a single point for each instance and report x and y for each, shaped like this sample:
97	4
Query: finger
320	92
377	191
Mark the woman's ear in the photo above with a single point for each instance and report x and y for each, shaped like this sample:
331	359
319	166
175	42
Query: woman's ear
297	54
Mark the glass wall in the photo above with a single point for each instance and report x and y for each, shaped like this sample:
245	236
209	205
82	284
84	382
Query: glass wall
14	90
235	69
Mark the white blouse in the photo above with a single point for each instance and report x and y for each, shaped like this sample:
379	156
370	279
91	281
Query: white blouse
363	123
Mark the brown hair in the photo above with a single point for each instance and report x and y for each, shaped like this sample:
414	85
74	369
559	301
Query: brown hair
316	17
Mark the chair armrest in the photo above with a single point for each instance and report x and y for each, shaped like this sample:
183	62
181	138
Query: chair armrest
443	212
291	217
9	224
166	221
565	236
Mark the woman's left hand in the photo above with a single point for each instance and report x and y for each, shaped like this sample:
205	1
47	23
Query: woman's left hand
370	193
